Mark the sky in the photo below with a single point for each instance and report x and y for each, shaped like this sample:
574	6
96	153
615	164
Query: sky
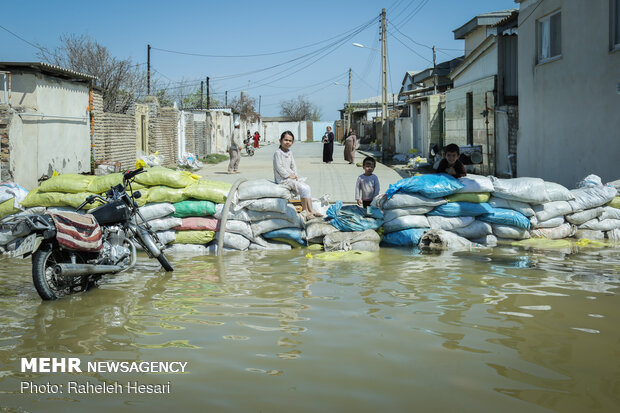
274	50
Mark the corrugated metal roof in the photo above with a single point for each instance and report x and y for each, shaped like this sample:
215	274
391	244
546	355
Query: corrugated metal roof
485	19
47	68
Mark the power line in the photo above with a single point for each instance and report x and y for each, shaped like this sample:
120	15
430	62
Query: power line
401	42
533	10
21	38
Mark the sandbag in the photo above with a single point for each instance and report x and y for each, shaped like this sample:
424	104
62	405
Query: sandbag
7	208
408	201
406	221
346	256
167	223
234	241
154	211
194	237
591	197
74	200
241	214
579	218
449	223
288	235
589	234
506	217
487	240
522	207
102	183
354	218
475	183
344	241
193	208
462	209
11	190
259	243
239	227
195	223
438	239
563	231
475	230
530	190
552	209
405	238
608	212
205	190
166	237
550	223
159	175
390	214
557	192
267	204
289	214
615	184
598	224
615	203
430	185
613	235
476	197
510	232
262	188
188	249
166	194
35	198
66	183
267	225
315	231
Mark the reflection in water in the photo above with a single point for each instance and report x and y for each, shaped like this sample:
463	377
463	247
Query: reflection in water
511	329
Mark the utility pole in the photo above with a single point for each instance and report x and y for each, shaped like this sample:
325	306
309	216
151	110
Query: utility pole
349	106
208	99
148	70
434	72
384	105
226	98
259	99
202	85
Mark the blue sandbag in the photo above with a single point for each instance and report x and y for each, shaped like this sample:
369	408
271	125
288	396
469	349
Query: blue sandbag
351	218
282	234
430	185
506	216
462	209
404	238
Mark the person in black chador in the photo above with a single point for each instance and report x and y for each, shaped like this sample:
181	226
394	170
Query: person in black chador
328	145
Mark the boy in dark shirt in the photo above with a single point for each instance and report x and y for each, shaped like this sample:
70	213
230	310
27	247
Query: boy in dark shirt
451	164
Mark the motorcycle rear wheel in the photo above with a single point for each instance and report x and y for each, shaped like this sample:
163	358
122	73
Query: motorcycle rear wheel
46	283
164	262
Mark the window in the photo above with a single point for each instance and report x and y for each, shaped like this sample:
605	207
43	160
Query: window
615	24
549	37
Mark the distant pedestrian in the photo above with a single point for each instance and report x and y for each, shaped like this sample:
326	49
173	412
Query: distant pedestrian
367	185
328	146
256	138
350	143
233	150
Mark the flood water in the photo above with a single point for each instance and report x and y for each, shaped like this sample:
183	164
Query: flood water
502	330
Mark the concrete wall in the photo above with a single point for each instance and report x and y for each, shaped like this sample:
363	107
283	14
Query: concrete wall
403	135
484	66
273	130
568	108
219	131
474	39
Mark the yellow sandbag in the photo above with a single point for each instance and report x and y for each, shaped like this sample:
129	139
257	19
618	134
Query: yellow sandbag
346	256
205	190
102	183
7	208
44	199
615	202
166	194
544	243
74	200
159	175
67	183
194	237
476	197
585	242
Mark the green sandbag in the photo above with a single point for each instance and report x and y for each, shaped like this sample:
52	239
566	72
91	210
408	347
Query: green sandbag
8	208
215	191
166	194
74	200
194	237
476	197
193	208
159	175
44	199
102	183
67	183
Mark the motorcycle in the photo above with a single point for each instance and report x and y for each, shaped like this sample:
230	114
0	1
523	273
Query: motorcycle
249	147
71	252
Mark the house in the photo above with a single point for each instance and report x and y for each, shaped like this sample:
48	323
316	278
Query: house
44	121
366	117
469	113
569	89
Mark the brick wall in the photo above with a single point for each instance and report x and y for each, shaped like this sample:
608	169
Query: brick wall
163	133
120	138
513	130
190	139
200	138
5	120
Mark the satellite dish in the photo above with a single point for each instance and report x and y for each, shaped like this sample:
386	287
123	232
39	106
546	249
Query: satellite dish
476	157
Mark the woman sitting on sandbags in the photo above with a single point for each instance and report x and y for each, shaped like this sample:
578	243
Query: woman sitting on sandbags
285	174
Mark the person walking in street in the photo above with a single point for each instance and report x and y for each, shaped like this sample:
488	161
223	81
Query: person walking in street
233	150
256	138
328	145
285	174
350	143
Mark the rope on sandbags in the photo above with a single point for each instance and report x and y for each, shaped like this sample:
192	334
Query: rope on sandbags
229	198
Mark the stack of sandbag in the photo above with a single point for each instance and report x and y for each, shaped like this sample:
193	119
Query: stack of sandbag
367	240
353	228
11	196
593	210
549	216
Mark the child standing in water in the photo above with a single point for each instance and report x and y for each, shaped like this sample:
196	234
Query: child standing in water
367	185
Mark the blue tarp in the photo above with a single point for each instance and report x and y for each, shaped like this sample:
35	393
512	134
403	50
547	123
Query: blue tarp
504	216
404	238
429	185
354	218
462	209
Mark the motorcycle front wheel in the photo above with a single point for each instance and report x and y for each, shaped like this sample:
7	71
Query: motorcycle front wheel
164	262
48	285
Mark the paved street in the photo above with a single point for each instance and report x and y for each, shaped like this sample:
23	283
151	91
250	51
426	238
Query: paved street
336	179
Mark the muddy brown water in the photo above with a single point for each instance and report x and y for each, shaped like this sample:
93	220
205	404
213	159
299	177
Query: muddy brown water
507	330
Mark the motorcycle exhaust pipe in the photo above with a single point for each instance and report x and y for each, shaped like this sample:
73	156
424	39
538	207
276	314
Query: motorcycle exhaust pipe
72	270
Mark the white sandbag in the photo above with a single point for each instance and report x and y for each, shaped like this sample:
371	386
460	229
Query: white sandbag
476	183
262	188
563	231
557	192
550	223
615	184
343	241
613	235
406	221
589	234
533	221
32	211
476	229
166	237
266	245
590	181
522	207
266	204
239	227
444	240
10	190
267	225
365	246
288	213
154	211
164	224
315	231
580	217
409	200
449	223
598	224
238	214
488	240
321	204
193	249
510	232
552	209
233	241
591	197
609	213
390	214
530	190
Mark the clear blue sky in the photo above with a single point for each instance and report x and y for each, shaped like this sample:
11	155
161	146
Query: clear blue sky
241	28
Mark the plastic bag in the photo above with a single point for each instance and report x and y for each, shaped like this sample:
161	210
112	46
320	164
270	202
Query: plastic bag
166	237
405	238
66	183
597	224
10	190
429	185
354	218
506	217
610	213
462	209
159	175
193	208
266	204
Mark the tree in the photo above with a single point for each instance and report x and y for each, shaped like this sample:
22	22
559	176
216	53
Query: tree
246	107
122	81
300	108
192	101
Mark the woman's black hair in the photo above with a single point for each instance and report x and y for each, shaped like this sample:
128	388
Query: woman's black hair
287	132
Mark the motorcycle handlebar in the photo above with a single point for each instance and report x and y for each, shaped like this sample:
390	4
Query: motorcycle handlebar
130	174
